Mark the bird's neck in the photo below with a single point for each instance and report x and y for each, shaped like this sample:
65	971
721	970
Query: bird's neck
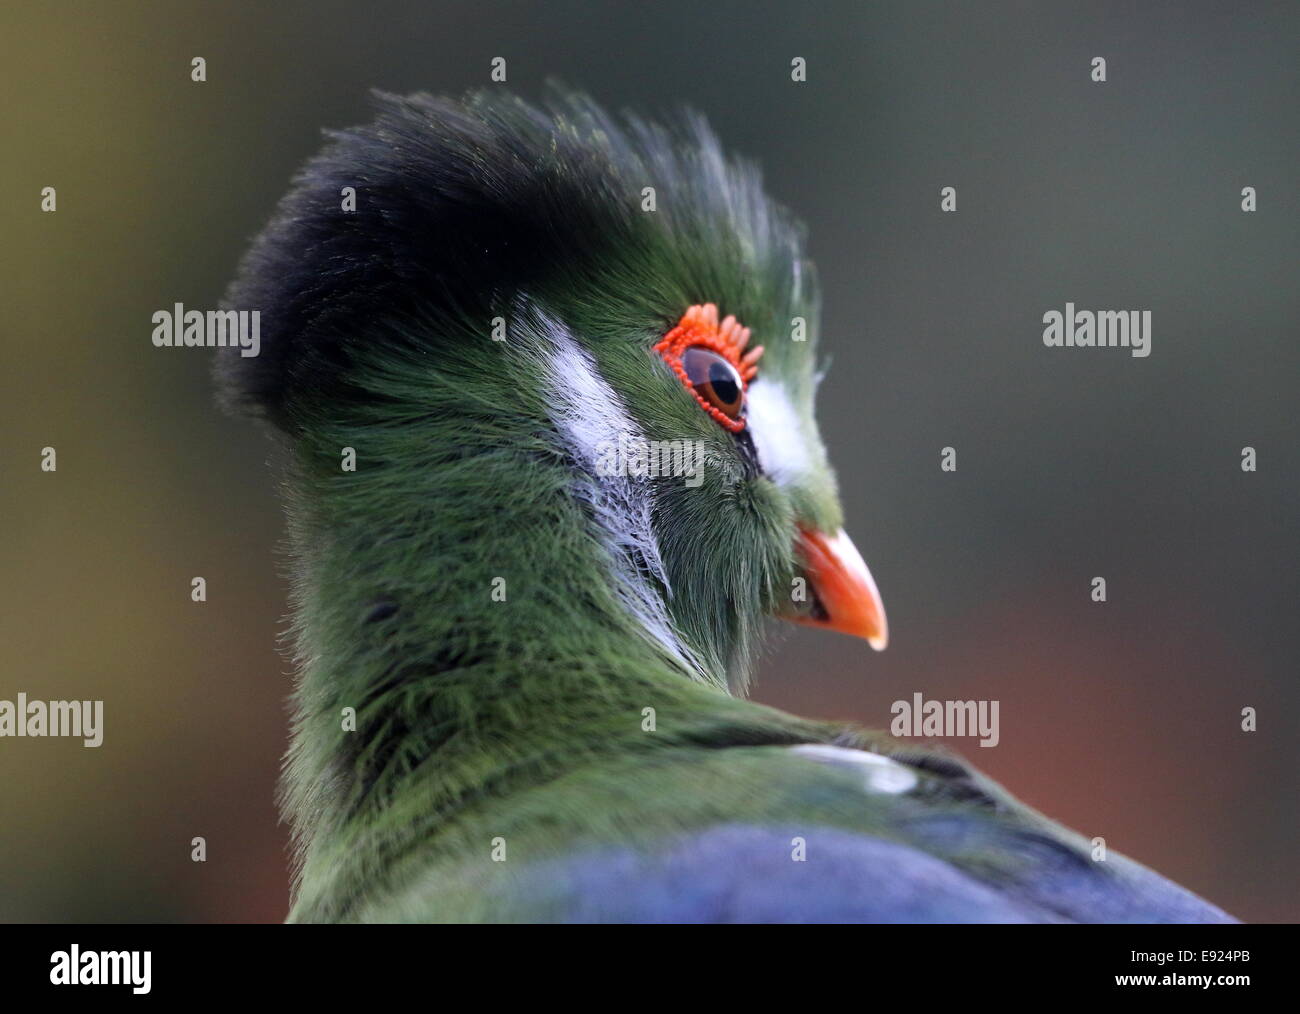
459	630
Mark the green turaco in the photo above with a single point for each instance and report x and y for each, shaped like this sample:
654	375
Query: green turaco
545	378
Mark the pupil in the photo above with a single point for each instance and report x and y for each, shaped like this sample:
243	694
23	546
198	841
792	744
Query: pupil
715	380
724	383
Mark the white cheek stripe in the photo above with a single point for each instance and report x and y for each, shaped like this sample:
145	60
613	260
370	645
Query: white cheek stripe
776	431
589	414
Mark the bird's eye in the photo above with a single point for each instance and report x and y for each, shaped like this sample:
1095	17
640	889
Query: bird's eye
715	380
710	359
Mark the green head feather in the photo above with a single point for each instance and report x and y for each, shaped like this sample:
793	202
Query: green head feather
476	589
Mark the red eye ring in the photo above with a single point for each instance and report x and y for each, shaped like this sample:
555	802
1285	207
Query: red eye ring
700	328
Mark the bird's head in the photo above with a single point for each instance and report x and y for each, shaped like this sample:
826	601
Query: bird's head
602	320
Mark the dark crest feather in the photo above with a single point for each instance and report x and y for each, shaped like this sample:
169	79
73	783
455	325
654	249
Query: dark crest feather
459	204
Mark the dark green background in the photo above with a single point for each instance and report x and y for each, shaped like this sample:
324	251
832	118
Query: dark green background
1121	719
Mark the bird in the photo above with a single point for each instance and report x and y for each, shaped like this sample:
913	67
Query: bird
545	377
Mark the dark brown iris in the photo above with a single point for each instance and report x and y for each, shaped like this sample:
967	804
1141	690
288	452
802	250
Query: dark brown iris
715	380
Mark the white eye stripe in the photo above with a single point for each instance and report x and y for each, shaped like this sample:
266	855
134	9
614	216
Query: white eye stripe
776	431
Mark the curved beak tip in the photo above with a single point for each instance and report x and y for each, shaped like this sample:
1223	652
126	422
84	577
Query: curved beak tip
843	586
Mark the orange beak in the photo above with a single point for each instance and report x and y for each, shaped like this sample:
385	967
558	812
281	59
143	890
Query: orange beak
843	594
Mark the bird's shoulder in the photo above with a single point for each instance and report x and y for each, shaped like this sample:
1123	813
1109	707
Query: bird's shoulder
862	829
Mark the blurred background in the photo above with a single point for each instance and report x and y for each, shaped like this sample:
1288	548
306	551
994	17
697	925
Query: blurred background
1120	719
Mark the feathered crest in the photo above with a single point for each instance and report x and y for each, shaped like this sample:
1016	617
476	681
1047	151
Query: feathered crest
460	204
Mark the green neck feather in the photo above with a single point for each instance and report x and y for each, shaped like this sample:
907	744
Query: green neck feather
452	591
